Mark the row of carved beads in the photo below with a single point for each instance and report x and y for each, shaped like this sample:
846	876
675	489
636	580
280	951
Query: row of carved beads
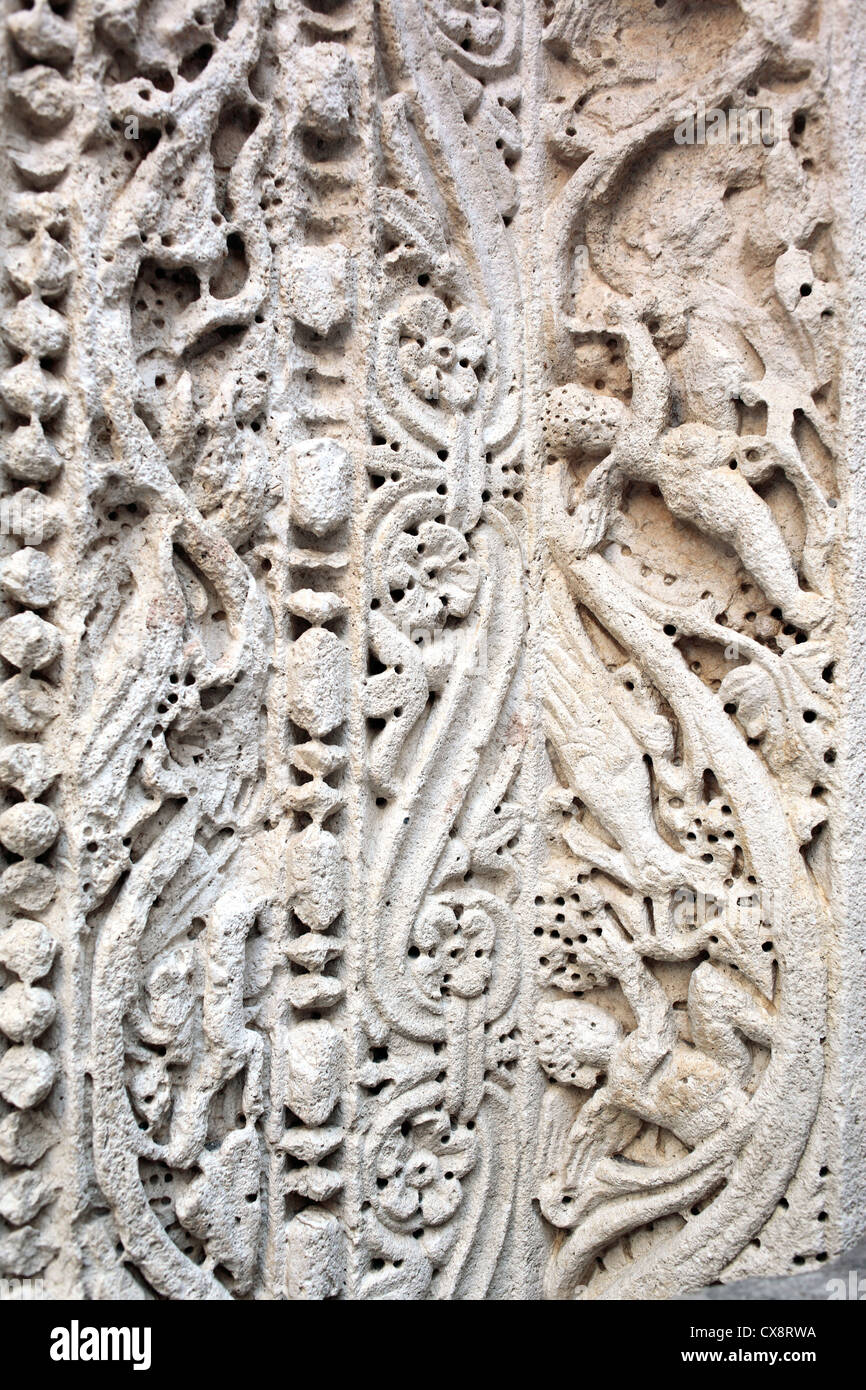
321	497
34	330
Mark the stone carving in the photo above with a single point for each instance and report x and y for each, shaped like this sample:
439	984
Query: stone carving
423	480
39	271
692	632
442	691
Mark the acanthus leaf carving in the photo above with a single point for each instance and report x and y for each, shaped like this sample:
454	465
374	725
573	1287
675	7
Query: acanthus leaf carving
424	583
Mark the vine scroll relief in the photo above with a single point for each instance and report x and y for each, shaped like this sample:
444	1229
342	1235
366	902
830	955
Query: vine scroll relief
689	633
422	648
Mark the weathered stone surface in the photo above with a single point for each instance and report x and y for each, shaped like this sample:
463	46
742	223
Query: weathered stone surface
25	1012
28	828
317	680
28	642
315	1256
432	616
313	1058
26	1076
27	948
321	485
23	1195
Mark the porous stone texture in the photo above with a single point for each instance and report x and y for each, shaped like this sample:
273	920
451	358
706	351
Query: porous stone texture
431	586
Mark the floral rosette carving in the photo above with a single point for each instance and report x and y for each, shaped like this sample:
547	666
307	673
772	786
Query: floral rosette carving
452	949
418	1168
431	360
439	352
432	569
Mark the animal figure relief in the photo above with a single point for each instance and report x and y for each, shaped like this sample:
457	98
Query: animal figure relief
702	473
423	639
647	1076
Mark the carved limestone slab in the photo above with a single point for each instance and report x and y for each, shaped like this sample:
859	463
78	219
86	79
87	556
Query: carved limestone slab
428	550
